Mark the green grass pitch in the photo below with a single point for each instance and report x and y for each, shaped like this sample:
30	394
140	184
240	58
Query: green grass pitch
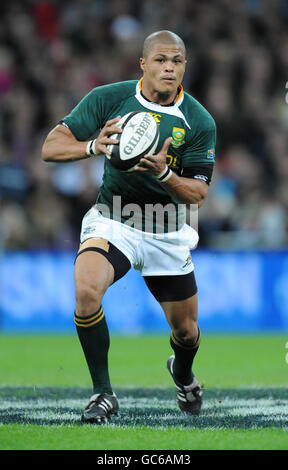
44	386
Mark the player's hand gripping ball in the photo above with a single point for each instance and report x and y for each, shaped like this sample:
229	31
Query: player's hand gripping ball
140	136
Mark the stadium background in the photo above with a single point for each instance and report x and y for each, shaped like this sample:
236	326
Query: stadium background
54	52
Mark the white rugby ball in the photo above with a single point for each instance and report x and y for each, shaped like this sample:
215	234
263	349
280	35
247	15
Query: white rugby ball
139	136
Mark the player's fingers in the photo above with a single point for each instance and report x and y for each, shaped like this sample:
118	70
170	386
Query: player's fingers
166	145
111	130
108	141
111	122
140	168
145	162
150	158
103	149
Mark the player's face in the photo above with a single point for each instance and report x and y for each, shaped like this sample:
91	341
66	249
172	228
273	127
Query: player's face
163	70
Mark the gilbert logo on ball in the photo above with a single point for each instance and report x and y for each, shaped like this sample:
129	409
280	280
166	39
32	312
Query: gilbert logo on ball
140	136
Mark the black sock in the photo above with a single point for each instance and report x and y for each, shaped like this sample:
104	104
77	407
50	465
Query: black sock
94	337
184	356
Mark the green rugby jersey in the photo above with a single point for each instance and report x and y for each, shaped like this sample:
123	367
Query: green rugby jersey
193	143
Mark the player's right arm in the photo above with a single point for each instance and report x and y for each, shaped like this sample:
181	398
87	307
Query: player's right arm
62	146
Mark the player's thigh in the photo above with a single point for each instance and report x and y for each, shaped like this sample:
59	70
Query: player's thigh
177	294
178	297
93	273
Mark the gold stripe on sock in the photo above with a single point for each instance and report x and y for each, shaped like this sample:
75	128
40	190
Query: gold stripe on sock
90	317
89	321
181	345
87	325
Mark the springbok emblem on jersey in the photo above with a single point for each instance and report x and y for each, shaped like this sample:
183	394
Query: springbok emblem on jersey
178	137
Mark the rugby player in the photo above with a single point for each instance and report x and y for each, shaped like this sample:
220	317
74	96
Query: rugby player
178	174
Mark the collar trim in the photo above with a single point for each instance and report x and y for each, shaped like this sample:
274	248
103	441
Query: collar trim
178	100
158	108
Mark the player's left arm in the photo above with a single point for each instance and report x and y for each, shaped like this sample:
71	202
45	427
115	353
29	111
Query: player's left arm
186	190
181	189
191	187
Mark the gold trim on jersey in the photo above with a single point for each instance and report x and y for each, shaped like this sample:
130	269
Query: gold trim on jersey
179	91
156	116
173	110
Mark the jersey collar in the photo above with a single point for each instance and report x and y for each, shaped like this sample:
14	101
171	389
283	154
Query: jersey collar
173	110
177	101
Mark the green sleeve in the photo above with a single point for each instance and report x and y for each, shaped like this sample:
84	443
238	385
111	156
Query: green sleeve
201	146
87	117
93	111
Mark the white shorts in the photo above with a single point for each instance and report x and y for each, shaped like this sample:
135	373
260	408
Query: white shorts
162	254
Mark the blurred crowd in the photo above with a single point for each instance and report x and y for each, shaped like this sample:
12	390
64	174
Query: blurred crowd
52	52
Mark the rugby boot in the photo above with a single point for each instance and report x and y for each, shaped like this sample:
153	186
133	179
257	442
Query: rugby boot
189	397
100	408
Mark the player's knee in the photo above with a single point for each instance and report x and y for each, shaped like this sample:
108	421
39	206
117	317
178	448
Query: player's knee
88	299
187	334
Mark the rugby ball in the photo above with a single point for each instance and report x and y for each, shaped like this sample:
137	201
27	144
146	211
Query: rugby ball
139	136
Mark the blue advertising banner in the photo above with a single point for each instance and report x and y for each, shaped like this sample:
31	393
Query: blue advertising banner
238	291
